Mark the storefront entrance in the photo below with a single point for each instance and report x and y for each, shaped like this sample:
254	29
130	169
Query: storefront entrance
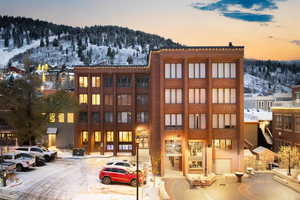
196	155
173	158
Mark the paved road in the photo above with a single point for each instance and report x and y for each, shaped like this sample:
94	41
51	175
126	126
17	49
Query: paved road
260	187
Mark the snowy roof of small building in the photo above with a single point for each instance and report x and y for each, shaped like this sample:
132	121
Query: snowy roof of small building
261	149
255	115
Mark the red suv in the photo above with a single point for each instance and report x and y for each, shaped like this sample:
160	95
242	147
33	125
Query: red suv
117	174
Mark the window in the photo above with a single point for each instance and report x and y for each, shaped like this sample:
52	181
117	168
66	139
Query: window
124	82
61	117
83	98
124	100
278	121
195	154
95	81
124	117
227	95
224	70
223	144
197	121
287	122
197	70
97	136
108	99
83	116
108	117
109	136
95	99
96	117
173	120
173	71
297	123
52	117
70	117
297	95
125	136
142	82
142	117
224	120
197	96
125	147
142	99
84	137
83	81
107	82
173	96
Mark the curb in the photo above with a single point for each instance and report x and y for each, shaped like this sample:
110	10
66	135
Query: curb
286	183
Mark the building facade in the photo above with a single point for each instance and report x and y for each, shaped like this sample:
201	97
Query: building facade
186	105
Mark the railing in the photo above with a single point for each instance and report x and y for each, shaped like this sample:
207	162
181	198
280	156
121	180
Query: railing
288	104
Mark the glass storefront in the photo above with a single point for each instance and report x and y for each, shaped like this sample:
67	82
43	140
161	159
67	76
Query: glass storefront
196	149
173	147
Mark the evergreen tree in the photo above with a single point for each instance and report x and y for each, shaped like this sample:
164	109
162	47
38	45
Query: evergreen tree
42	44
130	60
55	42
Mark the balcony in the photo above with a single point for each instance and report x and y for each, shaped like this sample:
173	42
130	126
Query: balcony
287	104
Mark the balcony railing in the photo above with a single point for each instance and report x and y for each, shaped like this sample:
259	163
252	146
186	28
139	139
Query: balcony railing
287	104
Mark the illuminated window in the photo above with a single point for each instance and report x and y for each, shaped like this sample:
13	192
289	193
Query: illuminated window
61	117
223	144
95	81
95	99
85	137
83	81
52	117
70	117
109	136
83	98
97	135
125	136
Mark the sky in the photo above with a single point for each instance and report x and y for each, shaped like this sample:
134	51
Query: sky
269	29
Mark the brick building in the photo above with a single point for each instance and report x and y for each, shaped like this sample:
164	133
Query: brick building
186	105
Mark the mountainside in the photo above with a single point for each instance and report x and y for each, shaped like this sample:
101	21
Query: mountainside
59	45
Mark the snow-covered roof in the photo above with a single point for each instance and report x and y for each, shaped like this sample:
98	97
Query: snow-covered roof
261	149
255	115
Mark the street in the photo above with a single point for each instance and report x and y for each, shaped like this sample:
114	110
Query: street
259	187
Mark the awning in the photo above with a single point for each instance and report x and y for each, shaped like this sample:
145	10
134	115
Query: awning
51	130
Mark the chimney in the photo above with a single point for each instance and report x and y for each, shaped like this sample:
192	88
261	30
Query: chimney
230	44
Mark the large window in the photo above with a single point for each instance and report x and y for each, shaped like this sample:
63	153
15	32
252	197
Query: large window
108	117
124	82
124	117
124	100
197	121
95	99
173	120
173	96
97	136
83	116
142	117
109	136
197	70
287	122
61	117
96	117
195	154
125	136
83	98
108	99
96	81
83	81
173	71
142	82
70	117
108	82
224	95
224	120
85	137
52	117
223	70
197	96
297	123
278	121
142	99
224	144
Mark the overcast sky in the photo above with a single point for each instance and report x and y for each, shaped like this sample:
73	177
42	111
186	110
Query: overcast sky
269	29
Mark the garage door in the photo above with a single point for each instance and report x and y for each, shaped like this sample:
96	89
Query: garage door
222	166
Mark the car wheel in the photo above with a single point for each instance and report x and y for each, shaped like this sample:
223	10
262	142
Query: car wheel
133	182
47	158
19	168
106	180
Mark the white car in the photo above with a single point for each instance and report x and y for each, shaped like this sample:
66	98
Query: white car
20	160
120	163
40	152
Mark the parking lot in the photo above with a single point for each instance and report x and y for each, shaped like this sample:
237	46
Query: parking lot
67	178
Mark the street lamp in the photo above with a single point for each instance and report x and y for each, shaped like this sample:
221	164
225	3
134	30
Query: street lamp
137	169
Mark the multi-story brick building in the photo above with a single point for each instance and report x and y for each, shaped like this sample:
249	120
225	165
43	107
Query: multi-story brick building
188	101
286	121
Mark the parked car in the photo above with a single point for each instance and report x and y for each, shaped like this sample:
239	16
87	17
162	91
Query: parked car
120	174
40	152
22	162
125	163
7	166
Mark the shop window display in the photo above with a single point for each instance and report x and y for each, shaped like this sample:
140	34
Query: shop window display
195	155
